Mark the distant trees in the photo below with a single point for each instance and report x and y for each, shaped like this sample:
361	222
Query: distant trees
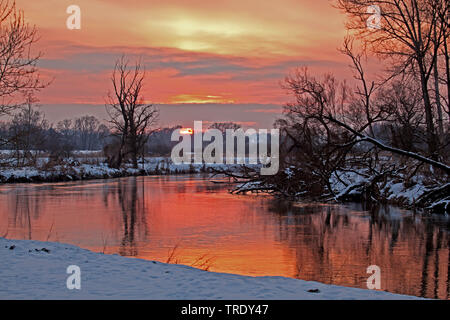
26	134
340	122
131	118
63	139
159	142
90	131
83	133
224	126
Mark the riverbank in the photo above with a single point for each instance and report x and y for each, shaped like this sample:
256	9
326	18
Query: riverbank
37	270
417	193
414	192
76	170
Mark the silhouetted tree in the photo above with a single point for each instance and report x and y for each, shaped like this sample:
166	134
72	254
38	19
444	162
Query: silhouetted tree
19	75
131	118
411	33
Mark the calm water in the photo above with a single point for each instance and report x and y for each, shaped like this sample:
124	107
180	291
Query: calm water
193	221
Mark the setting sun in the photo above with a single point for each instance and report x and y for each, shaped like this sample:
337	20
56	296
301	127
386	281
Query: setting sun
186	131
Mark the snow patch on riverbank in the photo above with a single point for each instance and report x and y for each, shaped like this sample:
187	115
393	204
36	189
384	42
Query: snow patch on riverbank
37	270
396	190
82	171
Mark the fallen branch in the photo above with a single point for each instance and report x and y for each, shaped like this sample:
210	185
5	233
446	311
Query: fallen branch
382	146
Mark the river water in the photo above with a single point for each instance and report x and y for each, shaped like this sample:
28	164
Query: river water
191	220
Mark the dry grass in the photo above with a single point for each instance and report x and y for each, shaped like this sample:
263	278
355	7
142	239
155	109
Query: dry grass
203	262
50	231
5	234
172	255
105	243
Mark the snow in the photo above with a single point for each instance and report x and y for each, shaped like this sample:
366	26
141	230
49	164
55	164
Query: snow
444	203
397	190
28	272
289	172
394	190
73	170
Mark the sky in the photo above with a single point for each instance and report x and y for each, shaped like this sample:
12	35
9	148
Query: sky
205	60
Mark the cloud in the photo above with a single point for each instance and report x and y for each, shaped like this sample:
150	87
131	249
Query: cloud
179	114
100	59
232	52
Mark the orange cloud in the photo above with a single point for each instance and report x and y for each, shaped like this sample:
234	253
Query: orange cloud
196	51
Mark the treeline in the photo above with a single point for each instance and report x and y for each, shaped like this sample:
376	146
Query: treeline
28	135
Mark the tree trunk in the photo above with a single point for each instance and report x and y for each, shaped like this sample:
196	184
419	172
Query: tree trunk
437	93
447	68
431	136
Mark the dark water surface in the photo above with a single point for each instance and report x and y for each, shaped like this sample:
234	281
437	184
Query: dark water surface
192	221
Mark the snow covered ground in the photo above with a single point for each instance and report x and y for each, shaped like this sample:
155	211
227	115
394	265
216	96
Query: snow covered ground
394	191
38	270
74	170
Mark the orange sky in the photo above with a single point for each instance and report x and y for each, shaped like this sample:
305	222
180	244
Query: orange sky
196	51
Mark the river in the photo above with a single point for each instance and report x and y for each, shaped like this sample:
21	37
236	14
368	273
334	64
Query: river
190	220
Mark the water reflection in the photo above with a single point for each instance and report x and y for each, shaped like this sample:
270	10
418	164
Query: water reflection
334	244
146	217
130	201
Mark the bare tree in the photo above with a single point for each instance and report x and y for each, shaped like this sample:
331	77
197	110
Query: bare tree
322	101
87	127
332	127
66	129
18	71
131	118
380	131
224	126
411	33
444	18
27	133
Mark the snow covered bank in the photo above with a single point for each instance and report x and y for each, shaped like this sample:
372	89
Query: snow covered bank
399	188
348	186
413	192
37	270
74	170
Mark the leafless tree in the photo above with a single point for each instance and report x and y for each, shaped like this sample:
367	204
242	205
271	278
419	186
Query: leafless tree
411	34
65	129
87	127
381	130
27	133
405	126
131	118
18	71
331	105
223	126
332	127
444	21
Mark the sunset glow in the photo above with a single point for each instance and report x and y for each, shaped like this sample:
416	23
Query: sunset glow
186	131
195	52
